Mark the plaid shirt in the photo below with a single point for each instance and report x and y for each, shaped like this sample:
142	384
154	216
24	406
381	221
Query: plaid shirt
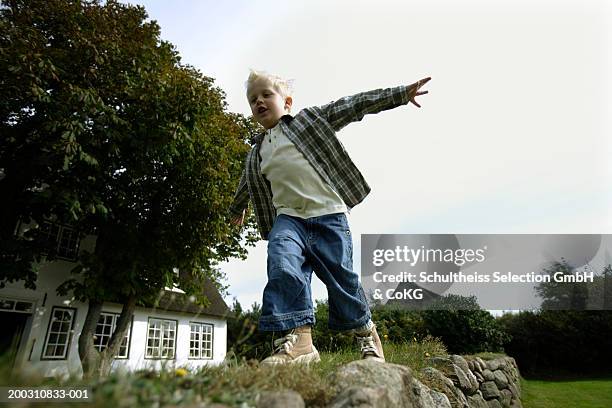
313	132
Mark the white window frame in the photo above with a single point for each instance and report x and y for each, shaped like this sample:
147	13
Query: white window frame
161	339
59	312
102	338
58	234
201	336
15	305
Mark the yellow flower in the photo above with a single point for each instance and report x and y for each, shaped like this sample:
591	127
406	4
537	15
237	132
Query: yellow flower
414	339
386	336
426	354
181	372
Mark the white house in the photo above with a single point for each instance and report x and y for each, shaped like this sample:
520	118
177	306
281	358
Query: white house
40	329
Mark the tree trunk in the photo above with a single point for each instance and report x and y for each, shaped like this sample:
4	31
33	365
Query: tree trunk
108	355
87	353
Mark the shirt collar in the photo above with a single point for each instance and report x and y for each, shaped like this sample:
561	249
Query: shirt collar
259	137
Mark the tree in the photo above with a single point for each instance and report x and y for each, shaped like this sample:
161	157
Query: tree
463	326
562	295
104	128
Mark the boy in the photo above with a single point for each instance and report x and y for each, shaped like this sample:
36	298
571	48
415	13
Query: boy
301	182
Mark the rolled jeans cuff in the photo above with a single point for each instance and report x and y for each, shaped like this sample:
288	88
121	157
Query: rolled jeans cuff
365	323
286	321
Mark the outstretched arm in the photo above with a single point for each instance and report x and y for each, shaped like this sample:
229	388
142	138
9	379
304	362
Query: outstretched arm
353	108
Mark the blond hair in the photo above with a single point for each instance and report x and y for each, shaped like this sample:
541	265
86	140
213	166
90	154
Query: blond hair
283	86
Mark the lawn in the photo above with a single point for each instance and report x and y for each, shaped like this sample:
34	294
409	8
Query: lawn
587	393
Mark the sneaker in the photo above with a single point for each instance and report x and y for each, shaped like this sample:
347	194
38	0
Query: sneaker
295	347
369	342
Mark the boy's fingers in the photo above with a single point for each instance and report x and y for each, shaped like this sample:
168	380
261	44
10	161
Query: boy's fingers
417	85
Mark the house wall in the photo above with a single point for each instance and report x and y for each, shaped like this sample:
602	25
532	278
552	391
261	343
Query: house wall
51	275
29	355
138	341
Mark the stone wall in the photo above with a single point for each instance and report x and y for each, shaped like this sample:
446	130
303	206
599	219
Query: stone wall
450	382
474	382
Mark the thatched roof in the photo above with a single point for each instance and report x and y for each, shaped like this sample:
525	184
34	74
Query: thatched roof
179	302
171	301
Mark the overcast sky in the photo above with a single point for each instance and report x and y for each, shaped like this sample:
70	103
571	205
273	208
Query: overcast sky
513	137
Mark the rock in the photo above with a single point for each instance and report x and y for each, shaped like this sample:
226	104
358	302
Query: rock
489	390
476	401
500	379
437	361
397	379
471	365
363	398
516	393
473	381
435	380
506	398
467	382
482	363
494	404
427	398
440	400
479	377
493	364
280	399
460	361
516	403
488	375
511	373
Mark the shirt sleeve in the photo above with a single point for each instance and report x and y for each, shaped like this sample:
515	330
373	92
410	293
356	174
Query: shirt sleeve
353	108
241	198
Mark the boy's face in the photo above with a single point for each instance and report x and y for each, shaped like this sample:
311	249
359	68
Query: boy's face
267	105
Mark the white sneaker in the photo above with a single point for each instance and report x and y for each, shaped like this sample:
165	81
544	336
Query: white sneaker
371	347
295	347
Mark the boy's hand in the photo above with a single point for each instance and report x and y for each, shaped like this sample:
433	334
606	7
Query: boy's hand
413	90
239	220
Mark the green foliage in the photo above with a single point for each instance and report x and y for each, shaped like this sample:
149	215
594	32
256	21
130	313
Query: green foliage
562	295
463	326
568	340
244	341
478	328
398	325
326	339
104	128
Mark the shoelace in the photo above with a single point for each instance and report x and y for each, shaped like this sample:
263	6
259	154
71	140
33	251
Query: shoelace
367	345
285	343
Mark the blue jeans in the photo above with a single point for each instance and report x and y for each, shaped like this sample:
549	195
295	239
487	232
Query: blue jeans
296	247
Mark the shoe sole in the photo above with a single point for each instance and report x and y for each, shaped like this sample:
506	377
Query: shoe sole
312	357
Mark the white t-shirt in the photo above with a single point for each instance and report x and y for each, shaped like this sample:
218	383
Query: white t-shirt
297	189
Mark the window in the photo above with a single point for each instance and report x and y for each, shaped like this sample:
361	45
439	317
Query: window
15	305
58	333
200	340
104	330
161	338
63	239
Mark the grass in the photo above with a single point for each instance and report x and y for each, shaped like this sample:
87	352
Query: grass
233	383
585	393
237	382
